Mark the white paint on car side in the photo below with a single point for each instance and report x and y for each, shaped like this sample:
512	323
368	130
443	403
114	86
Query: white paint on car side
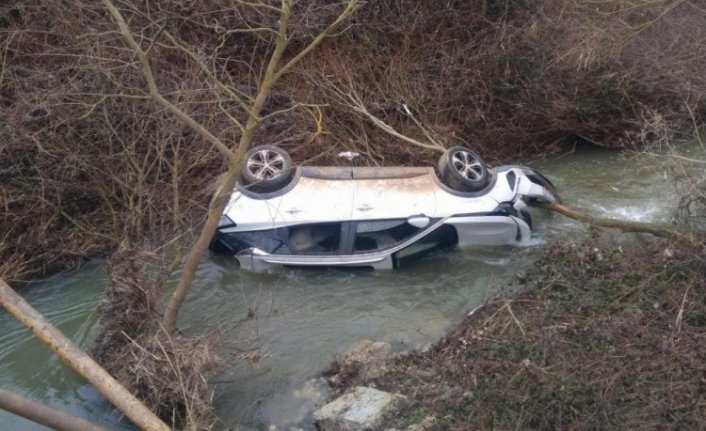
489	230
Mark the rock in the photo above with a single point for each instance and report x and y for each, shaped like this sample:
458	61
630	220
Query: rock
359	409
368	358
292	407
368	351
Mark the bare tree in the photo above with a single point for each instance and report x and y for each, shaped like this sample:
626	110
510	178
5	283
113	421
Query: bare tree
253	108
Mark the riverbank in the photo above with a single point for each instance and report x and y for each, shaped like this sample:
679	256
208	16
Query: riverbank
89	162
600	335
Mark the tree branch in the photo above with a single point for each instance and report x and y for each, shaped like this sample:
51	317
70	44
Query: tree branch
353	101
349	9
43	414
220	85
273	72
226	187
79	361
258	5
154	90
657	229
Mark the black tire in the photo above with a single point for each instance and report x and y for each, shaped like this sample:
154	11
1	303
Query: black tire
463	170
266	169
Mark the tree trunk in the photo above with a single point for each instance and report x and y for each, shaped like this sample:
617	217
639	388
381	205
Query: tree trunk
657	229
197	251
273	72
80	361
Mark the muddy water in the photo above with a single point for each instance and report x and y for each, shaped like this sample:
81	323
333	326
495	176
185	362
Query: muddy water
299	320
30	368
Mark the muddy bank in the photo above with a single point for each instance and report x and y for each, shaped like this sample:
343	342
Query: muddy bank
598	336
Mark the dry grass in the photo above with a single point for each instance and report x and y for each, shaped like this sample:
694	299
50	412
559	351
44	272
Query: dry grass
169	376
129	307
600	337
167	373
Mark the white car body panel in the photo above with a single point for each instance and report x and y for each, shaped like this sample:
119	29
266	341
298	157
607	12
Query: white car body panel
316	200
350	195
388	198
489	230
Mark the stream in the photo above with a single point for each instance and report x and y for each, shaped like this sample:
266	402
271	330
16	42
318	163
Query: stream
299	320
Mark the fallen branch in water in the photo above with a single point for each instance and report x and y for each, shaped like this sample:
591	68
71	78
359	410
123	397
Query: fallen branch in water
658	229
79	361
43	414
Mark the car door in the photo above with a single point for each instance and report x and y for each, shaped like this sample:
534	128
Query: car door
393	198
314	200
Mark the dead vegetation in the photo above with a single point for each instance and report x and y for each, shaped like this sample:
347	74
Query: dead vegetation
691	188
514	79
129	307
601	336
168	373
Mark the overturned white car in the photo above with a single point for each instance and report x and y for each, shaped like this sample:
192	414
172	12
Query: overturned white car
373	217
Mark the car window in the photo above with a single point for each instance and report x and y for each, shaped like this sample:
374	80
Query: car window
320	238
376	235
268	240
443	236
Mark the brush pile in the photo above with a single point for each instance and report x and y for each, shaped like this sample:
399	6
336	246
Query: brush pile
168	373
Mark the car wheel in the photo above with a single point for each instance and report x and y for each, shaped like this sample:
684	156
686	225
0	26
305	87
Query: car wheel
463	170
266	169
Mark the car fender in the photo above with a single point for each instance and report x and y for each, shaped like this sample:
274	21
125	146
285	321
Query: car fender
528	189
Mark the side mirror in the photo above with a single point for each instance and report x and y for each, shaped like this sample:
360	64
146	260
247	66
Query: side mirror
419	221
